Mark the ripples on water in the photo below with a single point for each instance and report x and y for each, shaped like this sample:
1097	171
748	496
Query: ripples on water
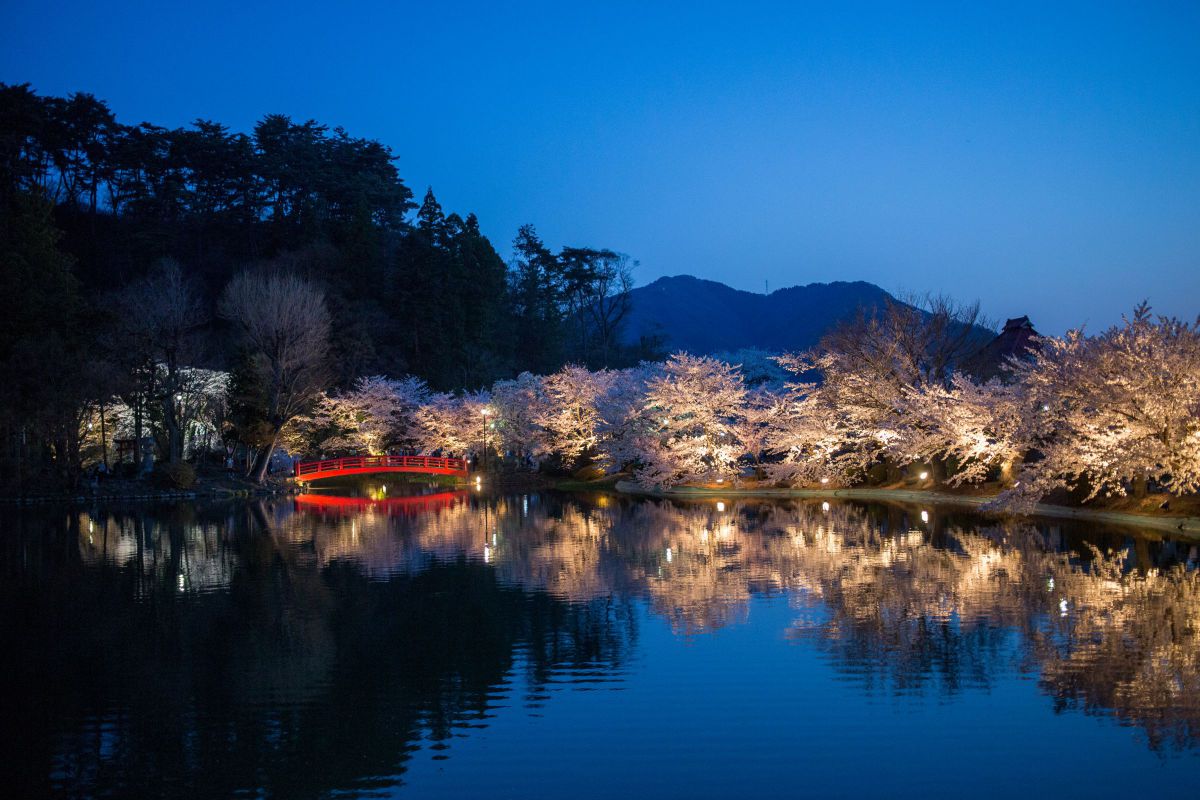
531	645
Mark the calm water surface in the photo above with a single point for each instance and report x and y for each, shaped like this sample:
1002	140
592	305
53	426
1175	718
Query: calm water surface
542	645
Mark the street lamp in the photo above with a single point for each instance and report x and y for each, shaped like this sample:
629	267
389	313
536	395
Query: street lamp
485	412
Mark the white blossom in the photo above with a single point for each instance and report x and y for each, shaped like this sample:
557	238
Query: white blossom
698	403
1120	407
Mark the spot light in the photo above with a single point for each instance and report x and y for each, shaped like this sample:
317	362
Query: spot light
720	506
923	475
825	506
924	516
824	480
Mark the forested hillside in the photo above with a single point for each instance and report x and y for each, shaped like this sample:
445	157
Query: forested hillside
117	240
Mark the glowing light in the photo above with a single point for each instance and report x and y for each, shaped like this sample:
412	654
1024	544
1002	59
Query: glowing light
824	480
668	555
493	540
1050	584
720	480
720	506
487	554
923	475
487	412
924	516
825	506
1062	607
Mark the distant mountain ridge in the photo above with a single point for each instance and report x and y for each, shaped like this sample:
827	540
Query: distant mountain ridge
704	317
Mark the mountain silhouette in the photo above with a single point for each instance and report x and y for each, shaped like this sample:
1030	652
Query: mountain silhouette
704	317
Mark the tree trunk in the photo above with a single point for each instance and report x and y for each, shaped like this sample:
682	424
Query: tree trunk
262	460
174	431
1008	477
137	436
103	439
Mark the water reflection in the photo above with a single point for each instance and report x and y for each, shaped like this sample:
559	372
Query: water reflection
315	644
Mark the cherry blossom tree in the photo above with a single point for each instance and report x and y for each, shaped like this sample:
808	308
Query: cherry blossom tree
869	368
978	426
518	404
698	402
457	424
626	421
570	415
1116	410
376	414
754	429
820	439
201	408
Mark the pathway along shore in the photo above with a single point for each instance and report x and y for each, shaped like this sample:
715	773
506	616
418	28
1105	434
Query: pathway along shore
1189	526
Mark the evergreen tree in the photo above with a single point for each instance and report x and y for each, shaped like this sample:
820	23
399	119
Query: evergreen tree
535	282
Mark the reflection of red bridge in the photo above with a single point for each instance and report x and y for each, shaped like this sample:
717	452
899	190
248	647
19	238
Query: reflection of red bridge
364	465
356	505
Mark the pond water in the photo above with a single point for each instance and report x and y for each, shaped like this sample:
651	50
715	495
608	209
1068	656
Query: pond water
549	645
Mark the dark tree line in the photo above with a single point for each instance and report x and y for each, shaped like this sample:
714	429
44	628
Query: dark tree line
96	216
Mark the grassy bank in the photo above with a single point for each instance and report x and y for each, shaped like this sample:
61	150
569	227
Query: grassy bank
207	485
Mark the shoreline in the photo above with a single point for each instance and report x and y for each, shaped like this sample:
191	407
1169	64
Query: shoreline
1185	525
145	492
231	490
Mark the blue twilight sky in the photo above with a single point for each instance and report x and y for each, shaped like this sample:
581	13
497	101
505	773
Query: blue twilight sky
1044	158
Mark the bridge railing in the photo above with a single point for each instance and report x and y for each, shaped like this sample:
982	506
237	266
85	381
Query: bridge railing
413	463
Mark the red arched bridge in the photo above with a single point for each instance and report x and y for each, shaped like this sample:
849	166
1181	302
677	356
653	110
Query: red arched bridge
307	471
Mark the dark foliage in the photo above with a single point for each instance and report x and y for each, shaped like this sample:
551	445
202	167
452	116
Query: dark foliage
90	208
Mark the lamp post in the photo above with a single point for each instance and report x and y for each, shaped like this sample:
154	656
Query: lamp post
485	412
